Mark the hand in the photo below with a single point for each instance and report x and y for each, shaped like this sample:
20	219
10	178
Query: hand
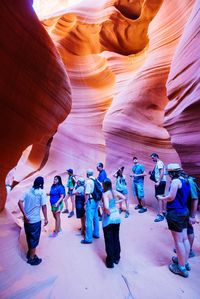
45	222
157	184
159	196
192	220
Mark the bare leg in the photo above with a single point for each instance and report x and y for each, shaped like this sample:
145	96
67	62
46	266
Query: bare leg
160	206
83	225
66	202
32	252
57	230
191	240
182	246
73	202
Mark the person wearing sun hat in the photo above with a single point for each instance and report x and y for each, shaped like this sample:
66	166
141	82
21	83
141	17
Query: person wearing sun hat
177	218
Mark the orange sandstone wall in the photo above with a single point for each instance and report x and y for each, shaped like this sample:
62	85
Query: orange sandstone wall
34	88
183	88
118	56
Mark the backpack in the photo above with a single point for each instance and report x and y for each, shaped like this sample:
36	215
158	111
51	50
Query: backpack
98	190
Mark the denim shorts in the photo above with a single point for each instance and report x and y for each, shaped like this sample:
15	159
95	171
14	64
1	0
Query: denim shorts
138	190
177	221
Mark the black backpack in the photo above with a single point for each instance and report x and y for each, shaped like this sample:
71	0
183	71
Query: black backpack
98	190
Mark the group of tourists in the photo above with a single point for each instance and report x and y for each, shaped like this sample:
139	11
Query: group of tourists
95	199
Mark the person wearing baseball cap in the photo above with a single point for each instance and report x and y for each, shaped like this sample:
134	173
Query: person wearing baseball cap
177	218
70	185
160	184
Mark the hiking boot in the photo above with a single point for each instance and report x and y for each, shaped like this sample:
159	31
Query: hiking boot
66	211
159	218
138	207
126	214
175	261
71	214
142	210
177	270
34	261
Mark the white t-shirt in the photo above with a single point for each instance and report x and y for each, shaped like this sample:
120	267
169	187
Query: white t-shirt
33	200
89	188
159	165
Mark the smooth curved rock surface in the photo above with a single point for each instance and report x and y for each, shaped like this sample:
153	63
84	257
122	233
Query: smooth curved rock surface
34	89
183	89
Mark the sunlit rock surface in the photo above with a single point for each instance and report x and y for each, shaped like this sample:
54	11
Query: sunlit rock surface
118	56
183	89
34	89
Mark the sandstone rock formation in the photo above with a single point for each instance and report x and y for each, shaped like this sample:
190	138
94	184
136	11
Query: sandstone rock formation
34	88
183	90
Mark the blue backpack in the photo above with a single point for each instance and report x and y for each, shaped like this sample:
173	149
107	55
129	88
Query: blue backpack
98	190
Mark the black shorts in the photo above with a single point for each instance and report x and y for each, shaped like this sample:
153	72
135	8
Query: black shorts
32	231
79	203
177	221
160	189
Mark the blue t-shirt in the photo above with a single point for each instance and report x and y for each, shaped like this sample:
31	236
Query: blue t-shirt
55	193
138	169
102	176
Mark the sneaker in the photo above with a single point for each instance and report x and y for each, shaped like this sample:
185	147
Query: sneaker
192	253
126	214
142	210
138	207
117	261
159	218
96	237
120	210
35	261
175	261
71	214
66	211
85	242
53	234
177	270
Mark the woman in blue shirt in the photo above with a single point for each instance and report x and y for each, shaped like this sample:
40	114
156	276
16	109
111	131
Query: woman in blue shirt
121	187
57	194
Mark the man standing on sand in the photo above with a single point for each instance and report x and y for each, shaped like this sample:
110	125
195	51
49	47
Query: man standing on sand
160	184
138	184
30	206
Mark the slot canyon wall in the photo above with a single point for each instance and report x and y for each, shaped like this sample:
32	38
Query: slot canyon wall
100	82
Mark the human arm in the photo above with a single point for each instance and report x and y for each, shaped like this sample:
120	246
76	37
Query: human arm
161	172
119	196
21	207
105	201
175	185
44	211
140	174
